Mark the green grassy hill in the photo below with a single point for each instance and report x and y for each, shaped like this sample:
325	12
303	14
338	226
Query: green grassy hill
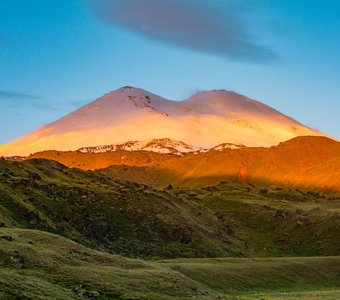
230	219
116	216
40	265
53	266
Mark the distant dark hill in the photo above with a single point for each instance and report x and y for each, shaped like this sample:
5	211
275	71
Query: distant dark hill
308	162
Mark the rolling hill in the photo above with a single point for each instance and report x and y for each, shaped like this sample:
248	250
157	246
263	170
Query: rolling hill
229	219
31	269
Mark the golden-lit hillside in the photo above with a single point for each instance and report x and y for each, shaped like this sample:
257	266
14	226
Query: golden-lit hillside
312	162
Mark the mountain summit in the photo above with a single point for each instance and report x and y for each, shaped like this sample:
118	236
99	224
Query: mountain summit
204	120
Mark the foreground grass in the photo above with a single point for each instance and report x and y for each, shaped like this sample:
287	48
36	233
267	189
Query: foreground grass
54	266
241	276
319	295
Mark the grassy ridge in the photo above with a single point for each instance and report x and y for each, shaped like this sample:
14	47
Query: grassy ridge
116	216
230	219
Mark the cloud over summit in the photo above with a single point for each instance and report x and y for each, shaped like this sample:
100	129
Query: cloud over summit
215	27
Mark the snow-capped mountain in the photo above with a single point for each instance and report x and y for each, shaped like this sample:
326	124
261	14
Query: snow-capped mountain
204	120
164	146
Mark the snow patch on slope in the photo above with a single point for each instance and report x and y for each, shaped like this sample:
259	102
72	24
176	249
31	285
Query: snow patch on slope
225	146
163	145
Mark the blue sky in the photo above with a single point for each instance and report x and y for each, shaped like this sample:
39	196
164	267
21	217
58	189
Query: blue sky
57	55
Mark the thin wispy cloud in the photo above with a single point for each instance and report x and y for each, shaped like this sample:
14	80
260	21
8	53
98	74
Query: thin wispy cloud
8	95
13	99
215	27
